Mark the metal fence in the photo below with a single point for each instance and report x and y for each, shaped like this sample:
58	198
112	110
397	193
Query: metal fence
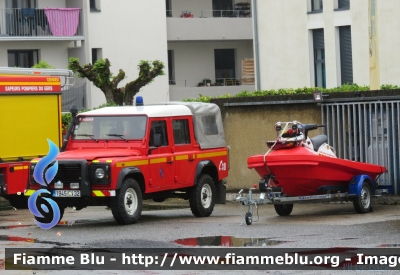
366	132
73	96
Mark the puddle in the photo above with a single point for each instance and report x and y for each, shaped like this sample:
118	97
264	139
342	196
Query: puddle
348	239
13	226
389	245
28	240
227	241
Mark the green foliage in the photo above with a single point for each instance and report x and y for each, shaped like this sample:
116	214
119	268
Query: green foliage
291	91
42	65
67	117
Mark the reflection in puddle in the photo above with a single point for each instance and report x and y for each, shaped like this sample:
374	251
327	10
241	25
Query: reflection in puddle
390	245
227	241
14	226
27	240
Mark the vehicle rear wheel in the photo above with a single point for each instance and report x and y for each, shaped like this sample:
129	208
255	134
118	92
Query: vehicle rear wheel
283	209
362	204
202	197
126	206
19	202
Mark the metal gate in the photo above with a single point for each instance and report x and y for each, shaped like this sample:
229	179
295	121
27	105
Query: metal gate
366	132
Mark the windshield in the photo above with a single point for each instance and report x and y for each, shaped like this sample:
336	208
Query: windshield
110	127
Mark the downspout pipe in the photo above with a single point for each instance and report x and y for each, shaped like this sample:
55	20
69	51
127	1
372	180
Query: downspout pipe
256	50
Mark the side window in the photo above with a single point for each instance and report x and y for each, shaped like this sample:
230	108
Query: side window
209	125
159	128
181	131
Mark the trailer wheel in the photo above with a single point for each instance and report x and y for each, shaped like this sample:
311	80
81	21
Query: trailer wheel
249	218
202	197
283	209
362	204
126	206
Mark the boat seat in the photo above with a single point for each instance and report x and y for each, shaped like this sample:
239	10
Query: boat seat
318	141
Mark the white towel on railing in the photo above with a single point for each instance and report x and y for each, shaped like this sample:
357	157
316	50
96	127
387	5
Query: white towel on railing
63	21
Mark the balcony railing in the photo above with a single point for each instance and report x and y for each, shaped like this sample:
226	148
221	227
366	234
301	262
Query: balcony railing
209	13
40	22
210	83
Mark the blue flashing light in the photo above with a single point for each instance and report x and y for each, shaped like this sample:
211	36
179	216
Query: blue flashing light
139	101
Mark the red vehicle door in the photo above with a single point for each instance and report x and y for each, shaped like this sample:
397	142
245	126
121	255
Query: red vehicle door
161	160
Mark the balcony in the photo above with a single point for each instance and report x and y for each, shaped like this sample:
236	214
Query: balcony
40	24
187	25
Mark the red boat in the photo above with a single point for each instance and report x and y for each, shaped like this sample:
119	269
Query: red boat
299	169
303	166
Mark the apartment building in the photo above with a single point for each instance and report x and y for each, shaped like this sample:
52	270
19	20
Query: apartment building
196	39
325	43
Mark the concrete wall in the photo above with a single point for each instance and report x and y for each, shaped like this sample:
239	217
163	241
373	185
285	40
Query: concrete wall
194	61
248	128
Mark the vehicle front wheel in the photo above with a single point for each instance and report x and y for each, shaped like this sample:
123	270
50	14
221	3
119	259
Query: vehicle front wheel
202	197
283	209
126	206
362	204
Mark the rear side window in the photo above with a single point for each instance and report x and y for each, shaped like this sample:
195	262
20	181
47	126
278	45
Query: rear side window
181	131
209	125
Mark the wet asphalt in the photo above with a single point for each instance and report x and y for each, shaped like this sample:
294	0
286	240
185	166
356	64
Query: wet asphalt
320	225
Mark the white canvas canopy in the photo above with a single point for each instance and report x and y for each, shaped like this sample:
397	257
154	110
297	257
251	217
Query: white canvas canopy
209	131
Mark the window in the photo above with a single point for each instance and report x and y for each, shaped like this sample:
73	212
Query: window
209	125
159	128
223	8
319	58
171	67
168	7
95	5
316	5
96	54
224	64
18	4
346	57
181	131
22	58
344	4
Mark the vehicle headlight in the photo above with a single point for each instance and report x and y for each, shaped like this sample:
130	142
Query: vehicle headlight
99	173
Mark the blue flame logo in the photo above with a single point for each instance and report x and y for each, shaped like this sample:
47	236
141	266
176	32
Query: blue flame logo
45	210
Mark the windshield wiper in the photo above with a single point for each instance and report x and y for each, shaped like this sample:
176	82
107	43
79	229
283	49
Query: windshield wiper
115	135
87	135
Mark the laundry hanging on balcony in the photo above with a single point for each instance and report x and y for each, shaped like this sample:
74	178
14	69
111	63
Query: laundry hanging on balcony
63	21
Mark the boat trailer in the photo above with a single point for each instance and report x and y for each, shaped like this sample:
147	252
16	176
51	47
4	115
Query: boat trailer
284	204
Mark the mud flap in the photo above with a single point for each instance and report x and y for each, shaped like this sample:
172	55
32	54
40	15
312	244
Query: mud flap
220	188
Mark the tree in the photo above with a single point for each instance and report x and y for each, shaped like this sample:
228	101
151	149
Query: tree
42	65
99	73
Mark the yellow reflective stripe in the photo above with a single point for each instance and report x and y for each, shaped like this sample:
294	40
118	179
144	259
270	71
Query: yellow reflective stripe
34	161
29	83
182	157
98	193
132	163
29	192
109	161
96	161
159	160
214	154
20	167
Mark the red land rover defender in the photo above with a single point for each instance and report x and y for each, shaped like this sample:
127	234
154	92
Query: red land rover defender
119	156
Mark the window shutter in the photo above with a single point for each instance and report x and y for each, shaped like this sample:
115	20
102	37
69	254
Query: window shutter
346	57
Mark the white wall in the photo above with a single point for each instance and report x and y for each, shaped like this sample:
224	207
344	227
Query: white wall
283	44
131	31
54	52
194	61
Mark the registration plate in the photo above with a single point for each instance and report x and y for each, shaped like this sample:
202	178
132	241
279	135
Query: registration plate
66	193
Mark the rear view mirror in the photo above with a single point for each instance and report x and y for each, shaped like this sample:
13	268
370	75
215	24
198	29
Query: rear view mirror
157	140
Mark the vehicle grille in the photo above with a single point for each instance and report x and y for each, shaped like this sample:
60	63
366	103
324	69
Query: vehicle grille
68	172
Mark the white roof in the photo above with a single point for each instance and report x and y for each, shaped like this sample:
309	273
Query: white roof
149	110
